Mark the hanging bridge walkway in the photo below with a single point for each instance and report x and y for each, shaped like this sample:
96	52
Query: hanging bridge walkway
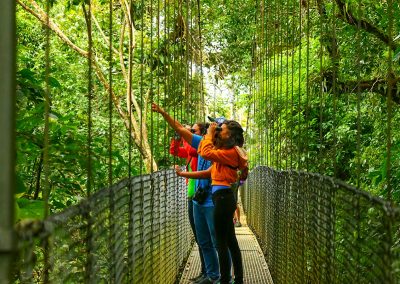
254	265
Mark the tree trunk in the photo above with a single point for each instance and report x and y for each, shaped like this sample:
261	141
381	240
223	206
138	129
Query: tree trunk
137	131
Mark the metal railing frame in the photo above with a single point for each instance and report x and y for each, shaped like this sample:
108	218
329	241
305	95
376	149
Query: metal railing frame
7	141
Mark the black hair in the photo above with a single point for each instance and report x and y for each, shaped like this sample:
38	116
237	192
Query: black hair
236	134
203	126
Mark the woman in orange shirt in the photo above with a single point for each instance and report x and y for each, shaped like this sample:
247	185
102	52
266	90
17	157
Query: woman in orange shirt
222	145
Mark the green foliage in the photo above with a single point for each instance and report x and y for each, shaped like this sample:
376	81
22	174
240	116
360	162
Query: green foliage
309	121
31	209
281	74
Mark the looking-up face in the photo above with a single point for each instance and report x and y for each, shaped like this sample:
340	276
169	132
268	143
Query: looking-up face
224	133
228	135
222	136
195	129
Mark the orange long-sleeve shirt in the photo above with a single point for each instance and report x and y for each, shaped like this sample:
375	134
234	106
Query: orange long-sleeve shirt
221	174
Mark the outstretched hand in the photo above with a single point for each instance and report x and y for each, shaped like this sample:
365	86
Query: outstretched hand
178	170
156	108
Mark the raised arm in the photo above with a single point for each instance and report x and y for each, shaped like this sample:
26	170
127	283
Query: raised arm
176	125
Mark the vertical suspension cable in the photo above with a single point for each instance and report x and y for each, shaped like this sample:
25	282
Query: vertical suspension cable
190	63
281	108
321	84
166	76
250	100
391	82
173	70
256	88
46	138
254	84
287	43
358	90
276	81
150	97
132	249
273	88
157	127
90	96
268	97
181	29
46	188
110	139
186	35
158	67
262	78
89	234
175	83
307	107
151	157
358	137
268	109
293	27
334	94
140	112
141	120
202	101
299	132
165	97
130	62
110	90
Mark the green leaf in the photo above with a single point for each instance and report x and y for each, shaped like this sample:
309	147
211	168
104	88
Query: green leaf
20	185
54	83
32	209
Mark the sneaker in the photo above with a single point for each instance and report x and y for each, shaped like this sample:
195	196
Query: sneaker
197	278
238	224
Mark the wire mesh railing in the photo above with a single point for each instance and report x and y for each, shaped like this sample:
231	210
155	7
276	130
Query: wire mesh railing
137	231
315	229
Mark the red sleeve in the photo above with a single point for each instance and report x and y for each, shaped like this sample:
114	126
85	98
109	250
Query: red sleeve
176	149
192	152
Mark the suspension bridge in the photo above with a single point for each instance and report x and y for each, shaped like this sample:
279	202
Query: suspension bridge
310	216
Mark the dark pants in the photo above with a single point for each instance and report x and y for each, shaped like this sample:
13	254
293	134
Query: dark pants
225	206
191	220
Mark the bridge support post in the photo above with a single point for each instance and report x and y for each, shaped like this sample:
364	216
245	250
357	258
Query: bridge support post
7	140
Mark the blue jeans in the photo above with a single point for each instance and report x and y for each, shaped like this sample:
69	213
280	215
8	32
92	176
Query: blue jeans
205	231
191	219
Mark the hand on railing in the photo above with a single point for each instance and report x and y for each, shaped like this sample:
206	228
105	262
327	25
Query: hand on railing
178	170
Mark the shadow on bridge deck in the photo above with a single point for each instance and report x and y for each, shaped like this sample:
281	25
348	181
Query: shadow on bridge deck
254	265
